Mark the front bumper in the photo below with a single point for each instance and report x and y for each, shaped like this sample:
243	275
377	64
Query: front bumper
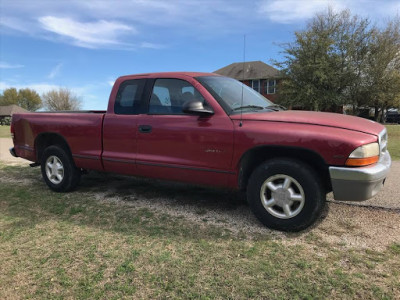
359	184
12	152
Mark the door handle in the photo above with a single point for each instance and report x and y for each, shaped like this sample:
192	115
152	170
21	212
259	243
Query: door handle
145	128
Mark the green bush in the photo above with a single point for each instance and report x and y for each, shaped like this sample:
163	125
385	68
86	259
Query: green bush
5	121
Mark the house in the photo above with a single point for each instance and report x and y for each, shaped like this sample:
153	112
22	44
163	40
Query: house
6	112
256	74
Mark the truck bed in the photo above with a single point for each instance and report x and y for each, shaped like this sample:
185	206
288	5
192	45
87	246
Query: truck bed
82	131
72	112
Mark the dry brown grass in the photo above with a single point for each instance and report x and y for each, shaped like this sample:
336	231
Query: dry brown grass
4	131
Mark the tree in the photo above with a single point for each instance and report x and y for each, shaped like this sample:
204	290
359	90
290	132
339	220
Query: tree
384	69
61	99
9	97
25	98
325	66
29	99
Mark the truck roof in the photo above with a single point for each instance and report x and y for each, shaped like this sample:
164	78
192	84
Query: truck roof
168	74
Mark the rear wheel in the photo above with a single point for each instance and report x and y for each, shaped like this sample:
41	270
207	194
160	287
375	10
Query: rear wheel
286	194
58	170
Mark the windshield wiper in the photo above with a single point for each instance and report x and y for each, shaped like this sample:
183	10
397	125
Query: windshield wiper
249	106
275	107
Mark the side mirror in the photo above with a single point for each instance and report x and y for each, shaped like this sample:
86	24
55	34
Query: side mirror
195	107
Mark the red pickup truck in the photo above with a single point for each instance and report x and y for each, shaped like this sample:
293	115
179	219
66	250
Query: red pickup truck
208	129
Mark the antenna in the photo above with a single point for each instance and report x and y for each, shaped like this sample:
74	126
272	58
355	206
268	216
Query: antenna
244	61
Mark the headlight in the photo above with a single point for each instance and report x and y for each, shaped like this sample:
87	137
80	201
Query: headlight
364	155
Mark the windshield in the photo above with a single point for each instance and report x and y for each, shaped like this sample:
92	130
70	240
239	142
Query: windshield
228	92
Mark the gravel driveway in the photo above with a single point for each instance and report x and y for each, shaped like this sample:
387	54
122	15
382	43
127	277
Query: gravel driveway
5	156
363	225
389	197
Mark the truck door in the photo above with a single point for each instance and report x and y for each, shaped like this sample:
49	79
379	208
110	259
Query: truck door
178	146
120	128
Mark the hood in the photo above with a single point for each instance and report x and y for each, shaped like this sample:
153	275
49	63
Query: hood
315	118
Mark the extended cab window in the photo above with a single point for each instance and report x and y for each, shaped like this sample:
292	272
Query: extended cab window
129	97
169	95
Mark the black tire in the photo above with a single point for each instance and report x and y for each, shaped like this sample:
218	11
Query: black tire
266	183
64	176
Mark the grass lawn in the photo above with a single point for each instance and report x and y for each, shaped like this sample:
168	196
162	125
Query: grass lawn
394	141
96	243
4	131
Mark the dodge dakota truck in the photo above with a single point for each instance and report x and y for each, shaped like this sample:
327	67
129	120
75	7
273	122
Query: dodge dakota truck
208	129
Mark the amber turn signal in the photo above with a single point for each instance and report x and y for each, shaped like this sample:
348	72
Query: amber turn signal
360	162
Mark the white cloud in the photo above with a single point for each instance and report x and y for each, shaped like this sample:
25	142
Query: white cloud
292	11
40	88
111	82
135	24
151	45
15	23
90	94
88	34
44	87
55	71
289	11
5	65
121	24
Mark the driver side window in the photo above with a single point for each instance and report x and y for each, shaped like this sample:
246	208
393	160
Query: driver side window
169	95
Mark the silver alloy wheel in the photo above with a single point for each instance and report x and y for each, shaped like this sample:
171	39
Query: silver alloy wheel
282	196
54	169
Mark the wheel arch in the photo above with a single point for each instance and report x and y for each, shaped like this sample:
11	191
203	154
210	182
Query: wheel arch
46	139
255	156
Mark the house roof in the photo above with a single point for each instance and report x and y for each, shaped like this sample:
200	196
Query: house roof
9	110
252	70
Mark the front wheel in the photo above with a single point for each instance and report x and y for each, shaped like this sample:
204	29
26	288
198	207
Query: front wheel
58	170
285	194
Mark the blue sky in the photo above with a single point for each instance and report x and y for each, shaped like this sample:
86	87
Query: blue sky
86	45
